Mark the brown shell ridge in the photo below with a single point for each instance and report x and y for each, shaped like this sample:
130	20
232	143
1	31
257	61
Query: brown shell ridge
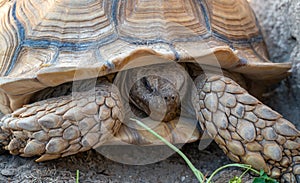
9	37
240	22
222	37
48	76
140	18
265	71
109	34
134	40
43	25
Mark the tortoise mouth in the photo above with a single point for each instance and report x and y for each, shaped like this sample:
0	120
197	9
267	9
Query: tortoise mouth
142	114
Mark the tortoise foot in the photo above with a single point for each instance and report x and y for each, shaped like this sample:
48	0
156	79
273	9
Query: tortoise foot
62	126
247	130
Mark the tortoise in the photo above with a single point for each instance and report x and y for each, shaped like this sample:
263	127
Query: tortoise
74	72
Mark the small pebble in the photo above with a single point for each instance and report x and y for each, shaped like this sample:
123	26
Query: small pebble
182	178
8	172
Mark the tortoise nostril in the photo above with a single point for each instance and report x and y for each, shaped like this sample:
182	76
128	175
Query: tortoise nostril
171	98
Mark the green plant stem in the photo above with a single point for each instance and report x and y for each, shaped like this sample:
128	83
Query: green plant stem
197	173
77	176
248	167
241	176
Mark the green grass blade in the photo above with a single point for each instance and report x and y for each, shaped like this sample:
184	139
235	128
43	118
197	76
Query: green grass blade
77	176
197	173
248	167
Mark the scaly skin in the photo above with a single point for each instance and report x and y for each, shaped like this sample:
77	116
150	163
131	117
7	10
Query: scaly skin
247	130
63	126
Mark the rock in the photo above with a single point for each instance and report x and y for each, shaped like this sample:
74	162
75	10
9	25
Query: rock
9	172
280	20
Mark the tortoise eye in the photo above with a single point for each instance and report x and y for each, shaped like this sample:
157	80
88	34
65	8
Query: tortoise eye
147	84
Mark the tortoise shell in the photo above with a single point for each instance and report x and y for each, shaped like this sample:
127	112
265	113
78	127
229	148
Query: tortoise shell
43	43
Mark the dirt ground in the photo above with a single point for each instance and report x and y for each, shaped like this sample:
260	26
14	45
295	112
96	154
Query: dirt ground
93	167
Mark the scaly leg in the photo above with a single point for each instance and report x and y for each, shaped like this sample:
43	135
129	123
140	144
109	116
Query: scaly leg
63	126
247	130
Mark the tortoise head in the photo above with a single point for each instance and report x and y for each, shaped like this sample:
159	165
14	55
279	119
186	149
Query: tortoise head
156	97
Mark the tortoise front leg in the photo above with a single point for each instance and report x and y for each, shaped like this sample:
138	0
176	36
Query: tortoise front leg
62	126
247	130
